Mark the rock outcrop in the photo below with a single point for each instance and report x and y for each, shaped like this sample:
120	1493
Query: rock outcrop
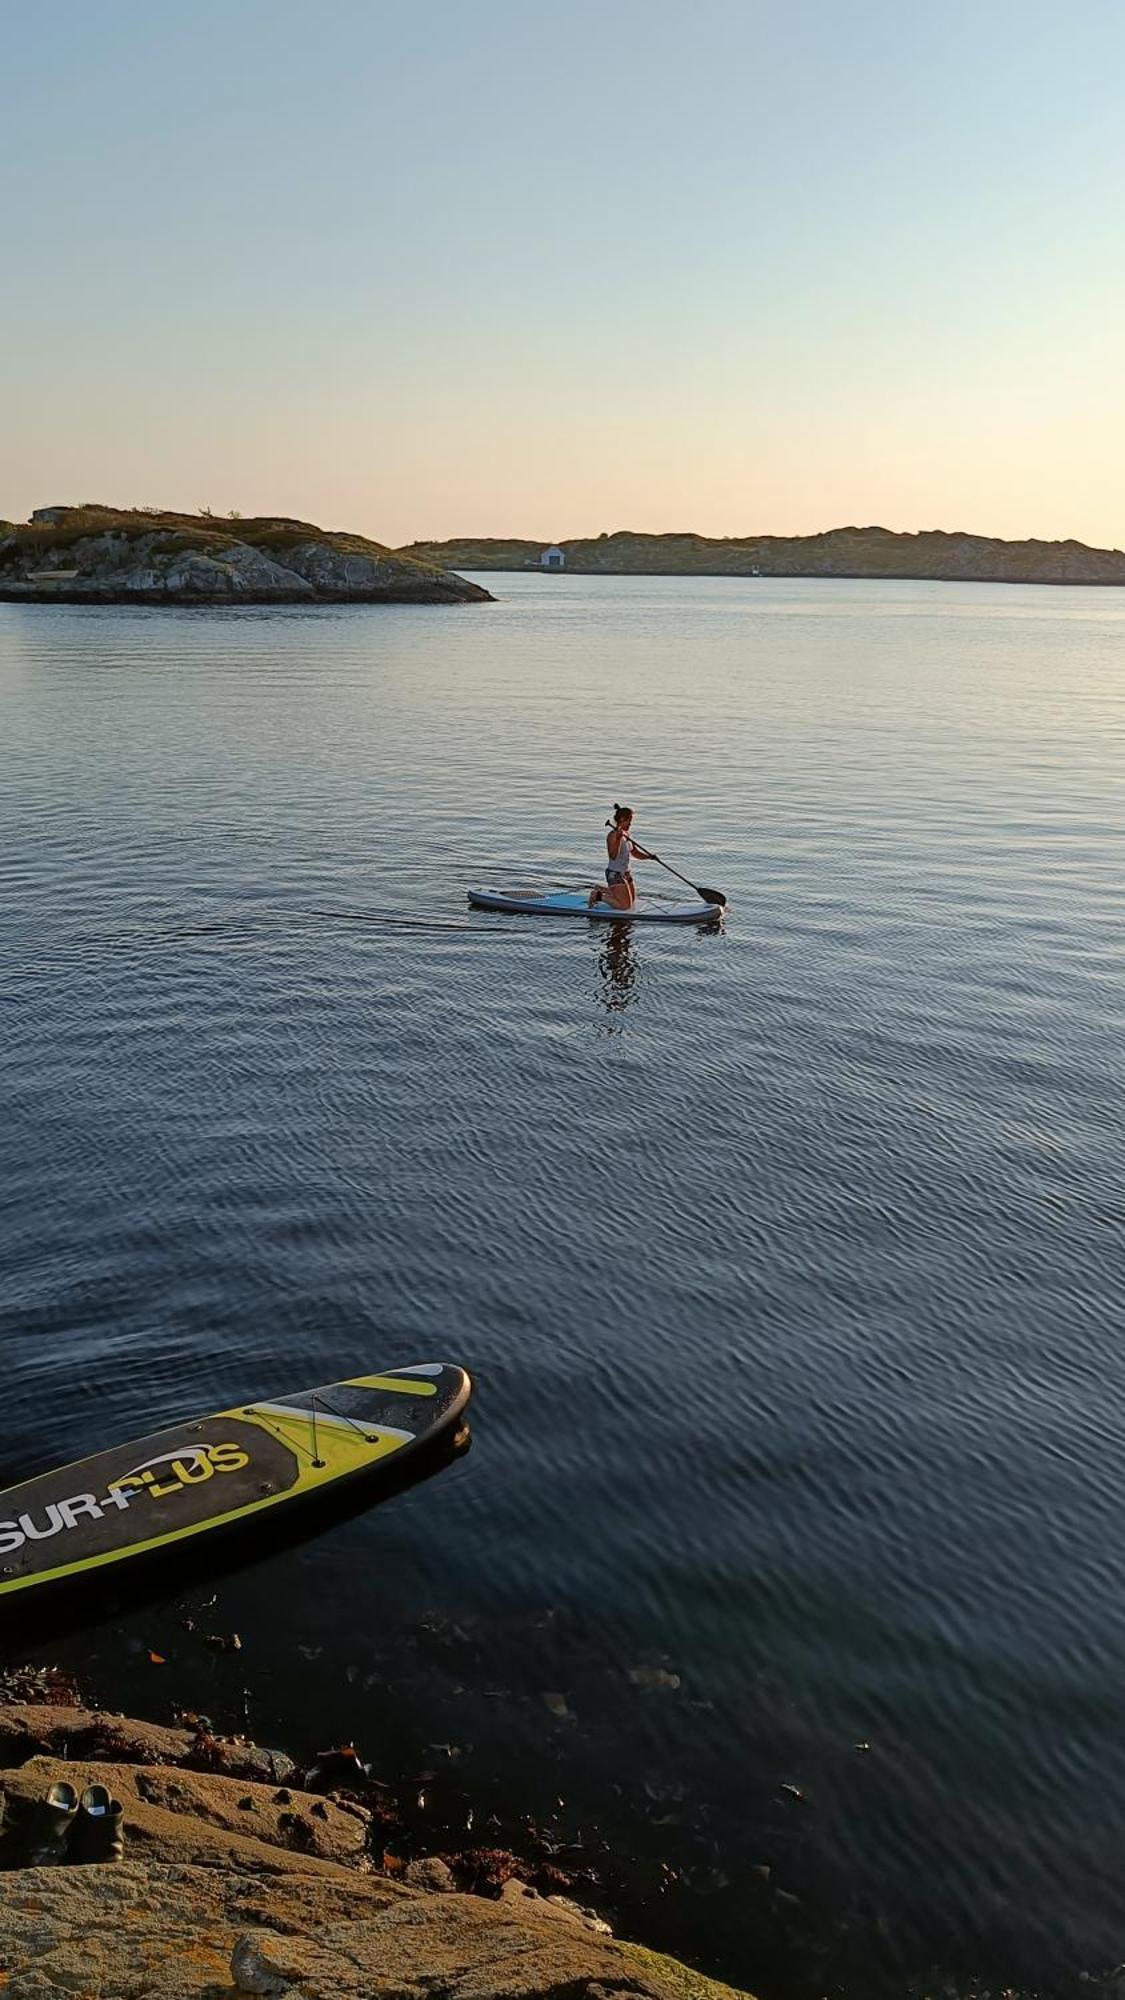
60	1729
169	1930
932	556
232	1886
98	555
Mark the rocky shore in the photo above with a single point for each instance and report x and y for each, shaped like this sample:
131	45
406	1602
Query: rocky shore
242	1875
109	555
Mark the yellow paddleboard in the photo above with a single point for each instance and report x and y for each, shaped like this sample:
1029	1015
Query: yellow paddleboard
218	1471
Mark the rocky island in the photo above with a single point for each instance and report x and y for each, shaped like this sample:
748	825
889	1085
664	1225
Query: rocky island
932	556
112	555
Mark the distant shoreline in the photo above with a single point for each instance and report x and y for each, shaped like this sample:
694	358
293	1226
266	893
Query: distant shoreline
819	576
862	554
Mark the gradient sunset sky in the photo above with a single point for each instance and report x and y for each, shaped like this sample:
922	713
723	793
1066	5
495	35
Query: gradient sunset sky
548	270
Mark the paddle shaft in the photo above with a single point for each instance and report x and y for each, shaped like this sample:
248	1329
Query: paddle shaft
708	895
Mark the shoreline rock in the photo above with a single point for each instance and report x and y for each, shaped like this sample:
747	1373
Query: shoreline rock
234	1885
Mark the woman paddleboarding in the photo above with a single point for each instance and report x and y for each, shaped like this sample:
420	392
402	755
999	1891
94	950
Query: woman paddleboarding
617	902
620	889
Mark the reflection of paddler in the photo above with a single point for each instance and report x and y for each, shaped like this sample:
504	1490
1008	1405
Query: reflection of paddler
618	967
623	850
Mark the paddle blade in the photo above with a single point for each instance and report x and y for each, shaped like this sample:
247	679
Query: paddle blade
711	896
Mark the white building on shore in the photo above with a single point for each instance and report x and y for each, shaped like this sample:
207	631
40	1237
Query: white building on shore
553	558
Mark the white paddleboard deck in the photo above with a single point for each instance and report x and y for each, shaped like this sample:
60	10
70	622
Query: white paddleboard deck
575	903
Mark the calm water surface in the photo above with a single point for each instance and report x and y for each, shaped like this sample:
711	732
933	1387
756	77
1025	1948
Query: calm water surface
789	1259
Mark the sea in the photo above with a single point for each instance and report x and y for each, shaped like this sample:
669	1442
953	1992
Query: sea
781	1595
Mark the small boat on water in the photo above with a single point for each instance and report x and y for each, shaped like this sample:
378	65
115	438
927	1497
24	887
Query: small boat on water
576	903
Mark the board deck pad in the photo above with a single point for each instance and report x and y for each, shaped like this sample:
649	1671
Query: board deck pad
215	1471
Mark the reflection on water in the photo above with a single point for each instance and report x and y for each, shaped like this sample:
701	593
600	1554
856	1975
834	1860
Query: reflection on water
617	968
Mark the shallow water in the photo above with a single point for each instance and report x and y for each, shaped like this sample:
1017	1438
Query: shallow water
788	1259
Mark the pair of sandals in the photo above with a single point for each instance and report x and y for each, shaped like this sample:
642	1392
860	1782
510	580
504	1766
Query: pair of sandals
67	1827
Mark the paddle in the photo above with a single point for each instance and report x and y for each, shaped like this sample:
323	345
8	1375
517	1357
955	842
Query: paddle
707	895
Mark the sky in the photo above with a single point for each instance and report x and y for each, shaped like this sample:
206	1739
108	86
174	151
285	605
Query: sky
545	271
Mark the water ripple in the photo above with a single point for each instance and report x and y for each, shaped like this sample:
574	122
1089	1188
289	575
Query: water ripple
788	1256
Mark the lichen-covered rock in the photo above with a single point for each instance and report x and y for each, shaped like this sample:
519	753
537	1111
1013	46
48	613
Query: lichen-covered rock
141	1930
521	1896
159	1931
163	1931
263	1962
460	1947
